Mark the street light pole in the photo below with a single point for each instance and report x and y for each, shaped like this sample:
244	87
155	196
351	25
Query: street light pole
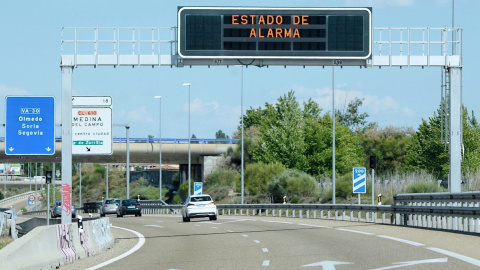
242	157
189	136
127	127
160	151
333	135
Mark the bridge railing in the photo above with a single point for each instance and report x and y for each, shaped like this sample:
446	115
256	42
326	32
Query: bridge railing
164	140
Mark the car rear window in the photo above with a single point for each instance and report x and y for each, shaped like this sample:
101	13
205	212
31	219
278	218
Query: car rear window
110	201
201	199
130	202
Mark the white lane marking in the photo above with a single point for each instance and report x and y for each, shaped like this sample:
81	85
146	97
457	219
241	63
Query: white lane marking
280	222
244	235
256	241
265	250
410	263
230	231
456	256
156	226
214	227
353	231
402	241
316	226
141	242
235	220
326	265
266	263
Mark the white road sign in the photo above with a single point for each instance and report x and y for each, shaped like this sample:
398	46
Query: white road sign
92	131
91	101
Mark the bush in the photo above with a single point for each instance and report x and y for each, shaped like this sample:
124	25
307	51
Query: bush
294	184
257	175
423	187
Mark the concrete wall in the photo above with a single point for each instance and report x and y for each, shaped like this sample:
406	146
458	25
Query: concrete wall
47	247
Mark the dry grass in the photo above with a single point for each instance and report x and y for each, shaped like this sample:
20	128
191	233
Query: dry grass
4	241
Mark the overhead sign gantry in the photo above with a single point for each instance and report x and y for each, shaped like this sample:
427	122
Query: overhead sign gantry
223	36
266	33
266	36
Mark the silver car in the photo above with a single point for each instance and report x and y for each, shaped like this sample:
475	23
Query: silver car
109	206
56	210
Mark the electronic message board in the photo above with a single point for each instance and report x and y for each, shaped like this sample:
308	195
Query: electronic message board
278	33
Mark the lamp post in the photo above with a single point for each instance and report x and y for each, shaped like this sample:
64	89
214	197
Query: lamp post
189	152
333	135
127	127
242	157
160	151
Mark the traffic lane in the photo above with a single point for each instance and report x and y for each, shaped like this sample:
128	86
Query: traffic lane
173	244
466	244
254	242
124	241
293	239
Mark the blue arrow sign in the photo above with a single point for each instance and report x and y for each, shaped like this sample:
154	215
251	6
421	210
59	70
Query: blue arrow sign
30	125
359	180
197	188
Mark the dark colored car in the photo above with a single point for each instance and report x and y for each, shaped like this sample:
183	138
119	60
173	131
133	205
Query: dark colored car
109	206
56	210
129	207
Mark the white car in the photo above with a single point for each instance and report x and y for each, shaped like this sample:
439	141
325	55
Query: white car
197	206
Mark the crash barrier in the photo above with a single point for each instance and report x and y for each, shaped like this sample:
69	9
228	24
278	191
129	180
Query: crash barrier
48	247
8	220
90	207
447	211
452	211
17	197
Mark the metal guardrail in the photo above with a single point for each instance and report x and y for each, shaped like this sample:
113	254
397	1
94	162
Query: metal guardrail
443	198
17	197
408	210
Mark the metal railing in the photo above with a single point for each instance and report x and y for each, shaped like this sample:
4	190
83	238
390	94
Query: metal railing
408	210
164	140
17	197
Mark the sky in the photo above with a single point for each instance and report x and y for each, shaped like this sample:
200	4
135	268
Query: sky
30	53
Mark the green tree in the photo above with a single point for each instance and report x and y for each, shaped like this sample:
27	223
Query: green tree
351	117
281	134
389	145
318	140
221	135
257	175
428	153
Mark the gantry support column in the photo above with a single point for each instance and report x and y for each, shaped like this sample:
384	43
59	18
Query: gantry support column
455	174
66	144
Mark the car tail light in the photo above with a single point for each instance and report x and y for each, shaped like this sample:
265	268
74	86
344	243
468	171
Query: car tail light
190	204
123	207
212	203
139	206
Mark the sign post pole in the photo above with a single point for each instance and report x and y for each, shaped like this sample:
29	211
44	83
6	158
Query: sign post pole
359	181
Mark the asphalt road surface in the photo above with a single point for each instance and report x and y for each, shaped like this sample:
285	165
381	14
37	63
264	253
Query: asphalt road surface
245	242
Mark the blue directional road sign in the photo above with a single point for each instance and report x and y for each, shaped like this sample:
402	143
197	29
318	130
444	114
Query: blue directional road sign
359	180
197	188
30	125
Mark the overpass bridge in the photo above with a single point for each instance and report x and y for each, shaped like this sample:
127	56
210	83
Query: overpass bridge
141	150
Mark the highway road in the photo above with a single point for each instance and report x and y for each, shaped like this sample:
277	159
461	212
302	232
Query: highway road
245	242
